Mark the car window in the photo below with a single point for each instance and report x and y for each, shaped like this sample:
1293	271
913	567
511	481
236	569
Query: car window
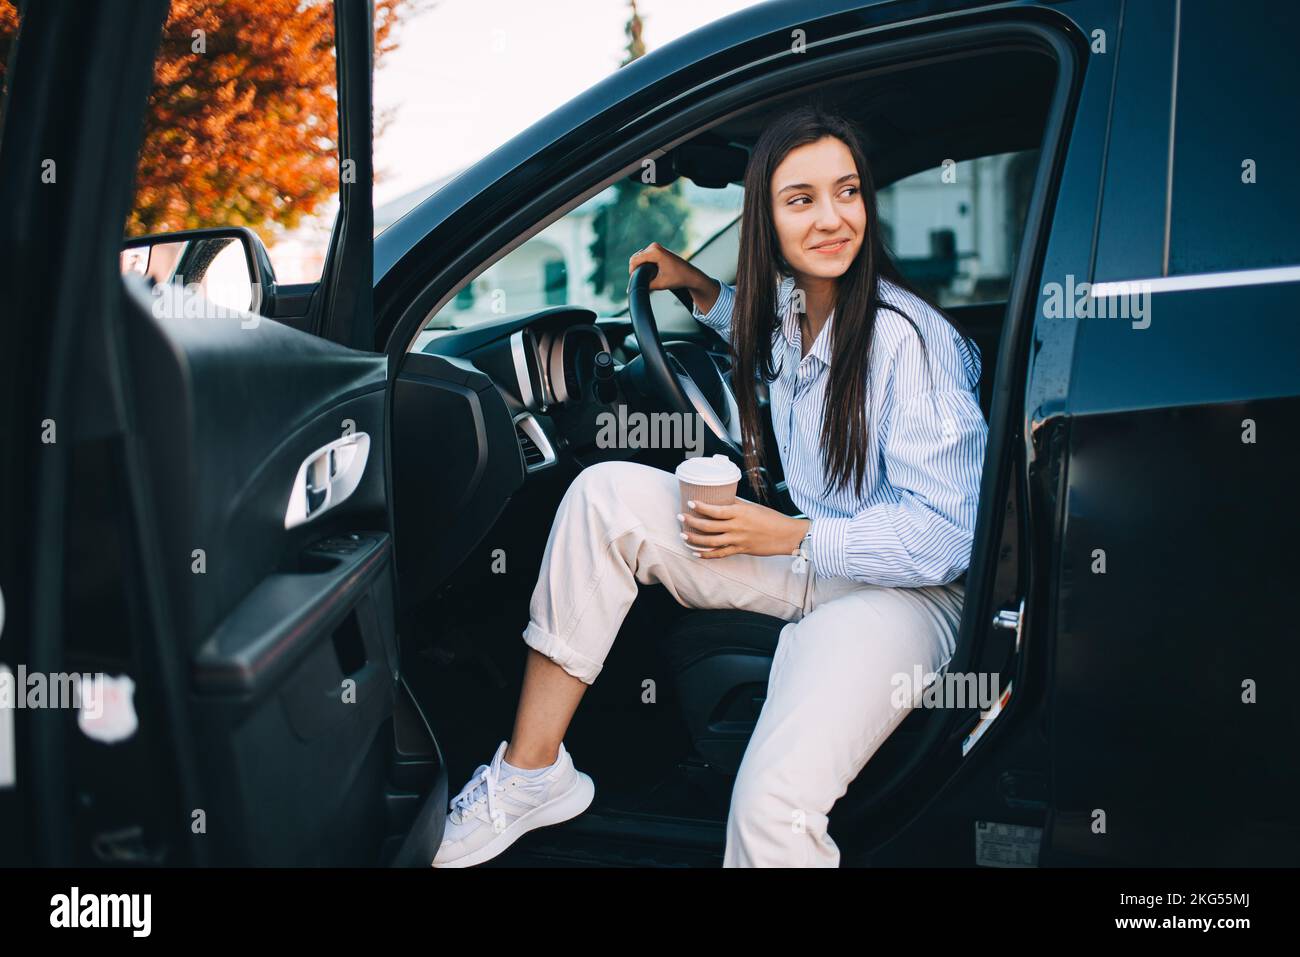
1236	203
955	229
581	258
242	128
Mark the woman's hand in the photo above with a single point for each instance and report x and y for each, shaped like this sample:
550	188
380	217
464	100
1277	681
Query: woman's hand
676	273
745	528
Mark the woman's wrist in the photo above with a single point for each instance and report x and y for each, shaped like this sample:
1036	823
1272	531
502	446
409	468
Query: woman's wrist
799	529
704	291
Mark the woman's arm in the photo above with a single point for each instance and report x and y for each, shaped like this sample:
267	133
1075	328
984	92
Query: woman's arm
713	301
714	306
933	457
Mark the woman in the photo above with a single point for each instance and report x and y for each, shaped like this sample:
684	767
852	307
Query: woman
873	400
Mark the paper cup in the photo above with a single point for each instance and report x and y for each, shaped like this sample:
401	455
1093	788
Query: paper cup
711	480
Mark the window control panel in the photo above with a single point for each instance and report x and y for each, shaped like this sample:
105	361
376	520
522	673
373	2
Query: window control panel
332	552
341	544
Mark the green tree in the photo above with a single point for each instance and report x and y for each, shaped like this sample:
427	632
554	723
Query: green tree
639	214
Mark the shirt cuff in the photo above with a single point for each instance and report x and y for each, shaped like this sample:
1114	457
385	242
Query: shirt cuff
721	311
829	551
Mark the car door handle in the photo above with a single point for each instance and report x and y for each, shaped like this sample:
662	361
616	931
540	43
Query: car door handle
326	478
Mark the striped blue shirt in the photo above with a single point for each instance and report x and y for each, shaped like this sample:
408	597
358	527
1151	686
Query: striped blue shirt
914	522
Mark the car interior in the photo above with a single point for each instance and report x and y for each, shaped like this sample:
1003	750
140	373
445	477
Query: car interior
492	421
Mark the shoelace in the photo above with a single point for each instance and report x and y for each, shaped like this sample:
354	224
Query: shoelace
465	802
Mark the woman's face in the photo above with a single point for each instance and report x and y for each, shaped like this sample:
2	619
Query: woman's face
817	209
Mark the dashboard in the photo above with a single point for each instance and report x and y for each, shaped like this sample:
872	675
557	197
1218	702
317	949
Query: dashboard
506	407
556	365
545	365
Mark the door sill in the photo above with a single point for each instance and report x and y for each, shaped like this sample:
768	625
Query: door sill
608	838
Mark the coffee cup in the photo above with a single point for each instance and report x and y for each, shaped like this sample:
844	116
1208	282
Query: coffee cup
708	479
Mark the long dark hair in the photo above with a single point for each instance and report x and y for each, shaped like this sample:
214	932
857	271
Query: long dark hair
845	448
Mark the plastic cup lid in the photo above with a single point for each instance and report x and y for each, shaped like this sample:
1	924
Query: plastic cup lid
708	470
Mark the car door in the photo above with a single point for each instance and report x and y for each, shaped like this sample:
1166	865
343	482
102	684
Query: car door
203	518
1173	733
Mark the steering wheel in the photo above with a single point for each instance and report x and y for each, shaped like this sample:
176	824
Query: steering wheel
681	375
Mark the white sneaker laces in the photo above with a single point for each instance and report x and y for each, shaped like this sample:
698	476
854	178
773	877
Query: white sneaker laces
464	803
482	786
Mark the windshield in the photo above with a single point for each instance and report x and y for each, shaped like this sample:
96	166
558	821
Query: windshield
581	258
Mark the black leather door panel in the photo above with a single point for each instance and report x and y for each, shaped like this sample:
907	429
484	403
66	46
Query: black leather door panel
270	631
227	416
288	634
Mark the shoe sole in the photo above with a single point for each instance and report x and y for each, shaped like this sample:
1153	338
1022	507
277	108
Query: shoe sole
556	811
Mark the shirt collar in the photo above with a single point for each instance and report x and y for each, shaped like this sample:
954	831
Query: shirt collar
821	347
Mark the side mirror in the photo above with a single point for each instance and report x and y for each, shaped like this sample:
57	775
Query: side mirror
227	265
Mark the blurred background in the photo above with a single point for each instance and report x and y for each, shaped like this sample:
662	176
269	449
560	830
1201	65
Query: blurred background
242	131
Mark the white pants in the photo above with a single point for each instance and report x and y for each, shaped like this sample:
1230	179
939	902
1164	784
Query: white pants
832	696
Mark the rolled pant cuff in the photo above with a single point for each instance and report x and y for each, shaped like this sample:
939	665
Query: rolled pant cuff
562	653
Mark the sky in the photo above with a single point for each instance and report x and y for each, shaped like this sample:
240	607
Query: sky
467	75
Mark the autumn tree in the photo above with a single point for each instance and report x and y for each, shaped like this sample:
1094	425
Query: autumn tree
242	122
8	30
242	126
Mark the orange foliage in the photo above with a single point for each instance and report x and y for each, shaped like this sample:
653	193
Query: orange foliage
244	132
8	29
242	125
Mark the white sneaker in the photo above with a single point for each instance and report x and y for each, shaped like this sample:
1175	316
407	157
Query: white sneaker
490	814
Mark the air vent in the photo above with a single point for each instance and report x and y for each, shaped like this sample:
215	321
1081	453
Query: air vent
534	445
532	454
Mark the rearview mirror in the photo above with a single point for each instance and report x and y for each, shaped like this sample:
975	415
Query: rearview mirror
712	165
227	265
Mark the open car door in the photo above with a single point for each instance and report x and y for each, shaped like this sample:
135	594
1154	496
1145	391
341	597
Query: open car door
197	508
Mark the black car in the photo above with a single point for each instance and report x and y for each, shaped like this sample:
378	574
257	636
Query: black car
306	529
